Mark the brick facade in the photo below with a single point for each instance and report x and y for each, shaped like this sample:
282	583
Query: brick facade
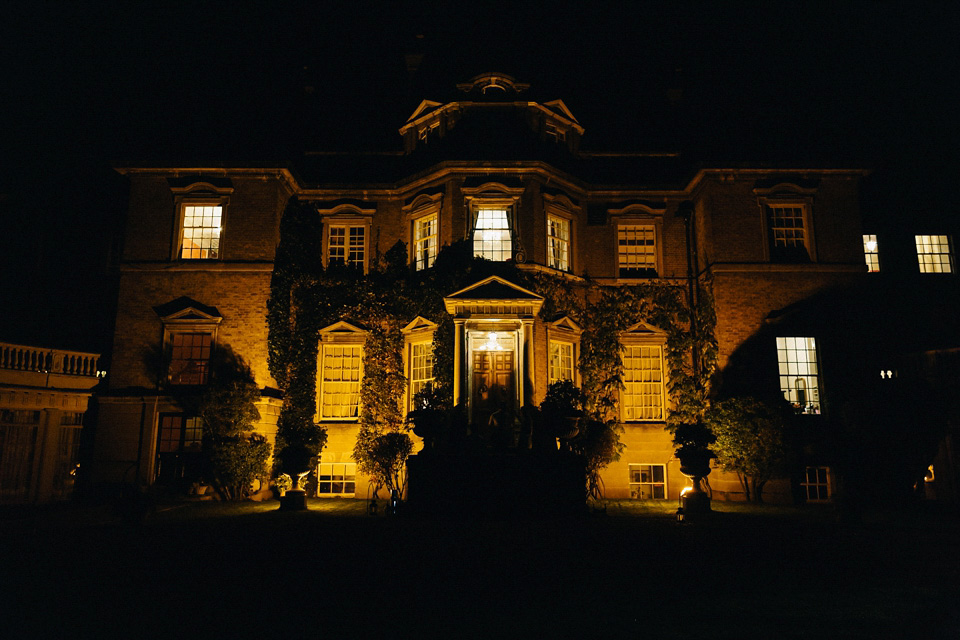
728	223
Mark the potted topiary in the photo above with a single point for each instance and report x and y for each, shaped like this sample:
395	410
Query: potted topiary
562	409
429	416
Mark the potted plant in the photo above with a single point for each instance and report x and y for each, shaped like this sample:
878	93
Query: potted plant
562	409
429	416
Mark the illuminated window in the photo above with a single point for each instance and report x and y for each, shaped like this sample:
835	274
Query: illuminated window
871	254
491	235
637	250
421	366
788	233
648	481
934	254
424	241
347	244
200	236
190	357
816	483
642	397
340	381
558	243
336	479
561	361
799	375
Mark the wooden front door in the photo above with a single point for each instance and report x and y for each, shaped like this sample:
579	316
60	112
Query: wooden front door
494	395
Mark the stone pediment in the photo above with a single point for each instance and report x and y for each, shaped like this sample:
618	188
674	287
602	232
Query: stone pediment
419	324
644	330
185	309
559	107
494	296
426	106
342	327
566	323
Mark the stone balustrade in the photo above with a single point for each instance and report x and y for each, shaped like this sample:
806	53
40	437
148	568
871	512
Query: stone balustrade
23	358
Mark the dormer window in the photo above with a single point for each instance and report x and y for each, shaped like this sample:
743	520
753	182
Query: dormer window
554	133
429	131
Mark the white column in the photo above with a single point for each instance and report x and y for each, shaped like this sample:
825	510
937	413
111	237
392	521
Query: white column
458	355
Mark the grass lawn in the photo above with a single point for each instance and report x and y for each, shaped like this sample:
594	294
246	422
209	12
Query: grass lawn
246	569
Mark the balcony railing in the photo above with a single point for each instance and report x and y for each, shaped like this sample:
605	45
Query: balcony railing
18	357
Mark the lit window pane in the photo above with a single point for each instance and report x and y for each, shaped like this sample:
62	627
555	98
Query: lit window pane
871	253
558	243
934	254
642	397
648	481
200	237
336	479
421	366
347	244
800	385
424	241
340	382
491	236
637	250
561	361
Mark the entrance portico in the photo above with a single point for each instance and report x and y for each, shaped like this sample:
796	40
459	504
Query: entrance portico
493	357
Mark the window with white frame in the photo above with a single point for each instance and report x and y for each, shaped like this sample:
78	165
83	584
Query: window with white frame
558	243
347	244
200	231
421	366
336	479
934	254
786	224
648	481
341	368
871	253
799	373
424	241
642	397
190	357
561	361
491	234
816	483
637	250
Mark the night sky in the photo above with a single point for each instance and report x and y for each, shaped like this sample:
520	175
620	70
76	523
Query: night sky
90	87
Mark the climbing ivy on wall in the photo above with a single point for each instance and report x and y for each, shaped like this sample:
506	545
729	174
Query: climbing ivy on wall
305	297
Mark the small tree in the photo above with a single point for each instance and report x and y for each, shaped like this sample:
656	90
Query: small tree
750	441
385	458
235	455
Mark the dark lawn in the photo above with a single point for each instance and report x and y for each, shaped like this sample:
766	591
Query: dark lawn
215	570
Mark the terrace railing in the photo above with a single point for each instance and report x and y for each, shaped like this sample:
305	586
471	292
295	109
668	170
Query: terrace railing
17	357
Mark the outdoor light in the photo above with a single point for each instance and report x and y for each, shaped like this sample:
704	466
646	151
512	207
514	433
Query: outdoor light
492	343
680	514
685	491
